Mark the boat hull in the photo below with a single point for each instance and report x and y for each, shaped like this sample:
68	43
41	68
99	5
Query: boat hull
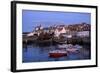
57	55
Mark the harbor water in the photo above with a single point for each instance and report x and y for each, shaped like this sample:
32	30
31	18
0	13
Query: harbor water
40	53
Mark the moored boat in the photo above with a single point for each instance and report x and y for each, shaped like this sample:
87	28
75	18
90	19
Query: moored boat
78	46
62	46
57	53
70	47
74	50
65	46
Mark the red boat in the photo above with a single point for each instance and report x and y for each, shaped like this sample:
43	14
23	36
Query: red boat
57	53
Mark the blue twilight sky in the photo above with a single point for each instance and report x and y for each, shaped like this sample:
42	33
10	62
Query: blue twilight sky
31	18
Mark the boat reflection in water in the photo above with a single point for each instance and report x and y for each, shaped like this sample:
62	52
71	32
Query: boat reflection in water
44	53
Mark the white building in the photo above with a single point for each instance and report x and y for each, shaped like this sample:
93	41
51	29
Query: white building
30	34
59	31
39	28
68	36
83	33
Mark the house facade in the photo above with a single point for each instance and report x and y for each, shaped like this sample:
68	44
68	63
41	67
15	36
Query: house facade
59	31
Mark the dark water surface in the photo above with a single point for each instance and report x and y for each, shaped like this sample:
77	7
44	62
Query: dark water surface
40	53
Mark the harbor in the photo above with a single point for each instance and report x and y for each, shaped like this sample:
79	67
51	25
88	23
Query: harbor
57	43
45	53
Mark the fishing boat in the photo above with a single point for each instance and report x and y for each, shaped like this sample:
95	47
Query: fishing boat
57	53
78	46
65	46
62	46
74	49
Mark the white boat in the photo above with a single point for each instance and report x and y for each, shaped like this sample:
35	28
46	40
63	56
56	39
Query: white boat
65	46
72	50
62	46
77	46
64	50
